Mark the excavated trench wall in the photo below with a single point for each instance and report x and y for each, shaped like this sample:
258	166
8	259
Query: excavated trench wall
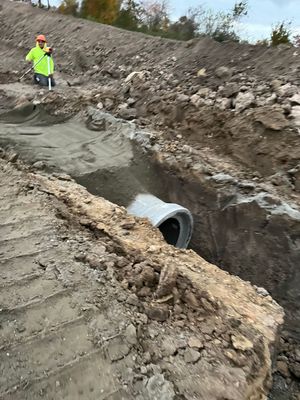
236	226
248	233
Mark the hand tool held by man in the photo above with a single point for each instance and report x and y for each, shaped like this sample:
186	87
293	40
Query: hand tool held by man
43	65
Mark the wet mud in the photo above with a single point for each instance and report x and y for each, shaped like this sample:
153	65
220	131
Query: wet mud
96	153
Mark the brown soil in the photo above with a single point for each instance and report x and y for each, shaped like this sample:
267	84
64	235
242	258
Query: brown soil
90	308
214	160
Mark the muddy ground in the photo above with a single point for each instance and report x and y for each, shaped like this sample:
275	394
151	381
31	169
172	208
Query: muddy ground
219	123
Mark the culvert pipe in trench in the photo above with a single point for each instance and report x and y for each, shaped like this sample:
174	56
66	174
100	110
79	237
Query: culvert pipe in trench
174	221
101	156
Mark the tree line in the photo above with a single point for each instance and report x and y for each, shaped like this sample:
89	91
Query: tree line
153	17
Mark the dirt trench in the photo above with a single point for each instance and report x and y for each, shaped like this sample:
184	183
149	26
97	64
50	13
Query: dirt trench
237	171
90	308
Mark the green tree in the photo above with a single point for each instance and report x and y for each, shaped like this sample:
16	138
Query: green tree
281	34
69	7
186	27
128	17
222	26
104	11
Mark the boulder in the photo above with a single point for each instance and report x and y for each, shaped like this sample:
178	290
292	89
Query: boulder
223	72
244	101
287	90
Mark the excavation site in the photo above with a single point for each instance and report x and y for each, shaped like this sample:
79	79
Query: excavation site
150	216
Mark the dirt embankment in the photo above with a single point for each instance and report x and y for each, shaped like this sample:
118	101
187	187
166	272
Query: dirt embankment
94	304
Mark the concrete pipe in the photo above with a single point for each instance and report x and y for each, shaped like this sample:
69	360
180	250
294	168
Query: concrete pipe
174	221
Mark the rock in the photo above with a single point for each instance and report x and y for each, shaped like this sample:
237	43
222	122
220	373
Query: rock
117	349
191	356
157	312
261	89
133	300
158	388
203	92
270	100
144	370
296	354
240	342
94	262
191	300
271	118
221	177
76	81
131	101
287	90
130	334
136	74
100	105
144	292
128	113
261	291
276	84
167	281
283	369
168	347
295	114
224	104
194	342
229	90
39	165
108	103
195	99
295	369
183	98
201	73
12	157
280	179
244	101
147	276
295	99
223	72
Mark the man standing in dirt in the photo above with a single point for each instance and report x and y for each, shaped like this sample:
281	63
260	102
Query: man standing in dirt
43	64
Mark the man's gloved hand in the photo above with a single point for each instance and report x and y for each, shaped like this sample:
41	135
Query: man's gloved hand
50	76
48	51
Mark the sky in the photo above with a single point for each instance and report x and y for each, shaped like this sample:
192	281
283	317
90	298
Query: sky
262	14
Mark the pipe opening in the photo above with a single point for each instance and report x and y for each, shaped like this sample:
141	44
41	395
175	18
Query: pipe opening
174	221
170	230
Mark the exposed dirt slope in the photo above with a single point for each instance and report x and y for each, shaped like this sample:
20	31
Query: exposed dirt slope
239	108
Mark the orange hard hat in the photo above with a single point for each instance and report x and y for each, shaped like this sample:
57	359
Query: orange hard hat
41	38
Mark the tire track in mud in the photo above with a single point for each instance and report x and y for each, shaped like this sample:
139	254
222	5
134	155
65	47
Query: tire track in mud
46	346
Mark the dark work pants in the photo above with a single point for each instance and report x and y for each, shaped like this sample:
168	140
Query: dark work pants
42	80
